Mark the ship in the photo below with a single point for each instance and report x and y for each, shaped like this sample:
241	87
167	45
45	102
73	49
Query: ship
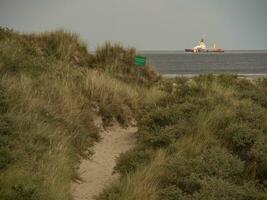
201	47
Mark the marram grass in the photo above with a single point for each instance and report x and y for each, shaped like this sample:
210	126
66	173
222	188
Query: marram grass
51	88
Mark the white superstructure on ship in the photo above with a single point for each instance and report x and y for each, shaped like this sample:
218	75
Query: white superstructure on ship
201	47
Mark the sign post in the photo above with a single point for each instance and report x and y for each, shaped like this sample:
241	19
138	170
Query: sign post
140	62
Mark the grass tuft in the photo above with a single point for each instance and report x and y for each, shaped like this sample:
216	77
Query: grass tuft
212	133
51	90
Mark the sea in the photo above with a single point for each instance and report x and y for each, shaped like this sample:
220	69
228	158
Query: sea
234	62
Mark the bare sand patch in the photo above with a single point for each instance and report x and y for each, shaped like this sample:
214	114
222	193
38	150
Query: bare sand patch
96	173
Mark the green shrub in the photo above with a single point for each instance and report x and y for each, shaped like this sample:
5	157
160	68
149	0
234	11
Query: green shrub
121	113
157	140
5	159
259	152
162	117
212	132
24	193
252	114
239	138
170	193
219	189
7	137
3	101
213	162
111	193
130	160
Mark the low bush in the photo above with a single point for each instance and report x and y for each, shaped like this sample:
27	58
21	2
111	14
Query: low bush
129	161
212	132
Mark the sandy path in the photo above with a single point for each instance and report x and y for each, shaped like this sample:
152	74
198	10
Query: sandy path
97	172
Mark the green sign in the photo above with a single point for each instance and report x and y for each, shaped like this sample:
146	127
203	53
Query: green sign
140	61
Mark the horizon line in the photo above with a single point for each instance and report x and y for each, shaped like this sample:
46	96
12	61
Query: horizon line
184	49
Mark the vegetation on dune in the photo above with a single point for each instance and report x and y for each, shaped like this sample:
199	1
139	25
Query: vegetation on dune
51	88
199	138
120	62
206	138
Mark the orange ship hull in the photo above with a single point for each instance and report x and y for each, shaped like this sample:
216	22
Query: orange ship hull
216	50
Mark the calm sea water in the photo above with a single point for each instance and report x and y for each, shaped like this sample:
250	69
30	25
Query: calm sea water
178	62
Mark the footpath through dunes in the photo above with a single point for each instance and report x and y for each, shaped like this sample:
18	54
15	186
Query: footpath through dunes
97	173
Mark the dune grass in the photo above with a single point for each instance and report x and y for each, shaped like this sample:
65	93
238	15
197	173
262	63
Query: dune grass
198	138
118	61
51	88
204	139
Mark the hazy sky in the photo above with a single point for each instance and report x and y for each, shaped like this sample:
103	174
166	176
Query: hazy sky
145	24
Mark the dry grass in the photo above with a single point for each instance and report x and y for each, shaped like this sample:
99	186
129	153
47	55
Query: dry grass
141	185
49	94
106	90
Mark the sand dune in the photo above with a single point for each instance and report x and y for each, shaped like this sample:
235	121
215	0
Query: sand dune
97	172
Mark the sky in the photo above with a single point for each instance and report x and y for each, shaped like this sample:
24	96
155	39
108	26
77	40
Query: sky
145	24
